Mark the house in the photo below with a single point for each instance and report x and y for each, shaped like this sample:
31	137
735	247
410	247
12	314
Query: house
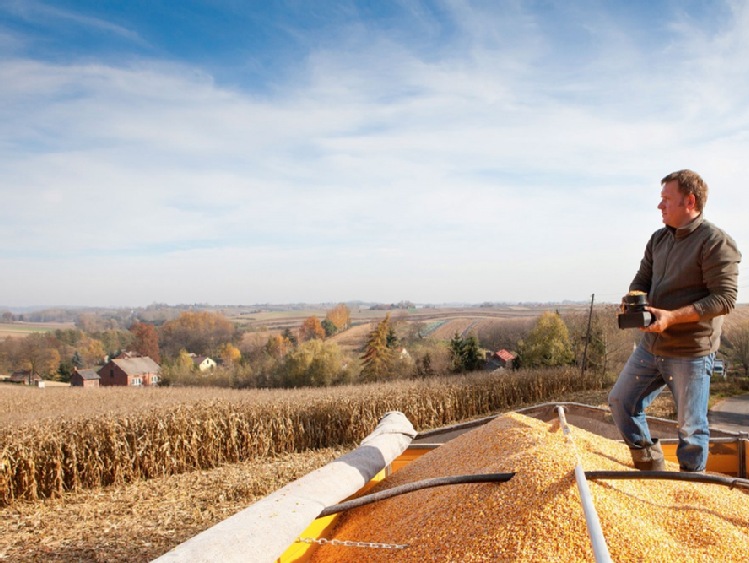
84	378
23	376
129	372
500	359
203	363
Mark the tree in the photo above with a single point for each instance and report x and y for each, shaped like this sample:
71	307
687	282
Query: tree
329	328
377	361
340	316
314	363
65	371
736	342
229	354
311	329
289	335
114	341
184	362
91	351
465	353
146	341
77	360
548	343
200	332
38	355
277	346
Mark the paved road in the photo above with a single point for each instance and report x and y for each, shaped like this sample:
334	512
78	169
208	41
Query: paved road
731	414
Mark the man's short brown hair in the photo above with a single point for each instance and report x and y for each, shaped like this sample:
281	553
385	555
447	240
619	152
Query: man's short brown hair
690	183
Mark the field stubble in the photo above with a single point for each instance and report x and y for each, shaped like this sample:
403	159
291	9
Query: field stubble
138	519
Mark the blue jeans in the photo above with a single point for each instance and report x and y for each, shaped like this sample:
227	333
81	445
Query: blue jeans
644	376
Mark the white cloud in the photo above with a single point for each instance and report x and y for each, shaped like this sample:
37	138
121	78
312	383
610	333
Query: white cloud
494	171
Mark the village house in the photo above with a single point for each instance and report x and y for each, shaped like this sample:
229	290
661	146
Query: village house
84	378
24	377
130	372
501	359
203	363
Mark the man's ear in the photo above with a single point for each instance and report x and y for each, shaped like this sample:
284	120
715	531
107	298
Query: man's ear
691	202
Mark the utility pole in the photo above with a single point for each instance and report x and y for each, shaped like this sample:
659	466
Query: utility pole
587	336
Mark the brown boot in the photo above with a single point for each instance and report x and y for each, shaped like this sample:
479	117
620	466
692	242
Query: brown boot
649	458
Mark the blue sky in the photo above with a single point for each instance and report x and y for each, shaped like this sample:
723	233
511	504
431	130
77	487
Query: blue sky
241	152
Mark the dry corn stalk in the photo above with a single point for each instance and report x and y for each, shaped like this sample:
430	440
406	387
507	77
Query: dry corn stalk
538	516
158	432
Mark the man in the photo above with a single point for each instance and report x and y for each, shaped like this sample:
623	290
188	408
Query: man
690	274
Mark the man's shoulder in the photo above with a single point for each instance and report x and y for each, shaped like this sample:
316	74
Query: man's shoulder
712	231
660	234
714	235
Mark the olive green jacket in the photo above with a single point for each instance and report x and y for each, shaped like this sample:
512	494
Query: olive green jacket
695	265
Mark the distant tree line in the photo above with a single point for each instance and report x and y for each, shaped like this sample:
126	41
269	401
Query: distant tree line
309	355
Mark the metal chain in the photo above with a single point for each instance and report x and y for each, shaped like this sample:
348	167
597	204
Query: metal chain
349	543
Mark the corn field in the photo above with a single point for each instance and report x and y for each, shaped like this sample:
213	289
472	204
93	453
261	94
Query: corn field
82	445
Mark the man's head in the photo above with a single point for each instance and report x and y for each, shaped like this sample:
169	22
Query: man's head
683	197
690	183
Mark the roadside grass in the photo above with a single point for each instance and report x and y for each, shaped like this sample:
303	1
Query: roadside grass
730	387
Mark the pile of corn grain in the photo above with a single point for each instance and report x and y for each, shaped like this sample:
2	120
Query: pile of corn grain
538	516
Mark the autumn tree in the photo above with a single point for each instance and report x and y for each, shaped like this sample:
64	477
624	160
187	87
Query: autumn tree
313	363
311	329
184	362
146	341
200	332
548	343
91	351
37	354
379	354
598	341
277	346
340	316
736	344
504	333
229	354
8	354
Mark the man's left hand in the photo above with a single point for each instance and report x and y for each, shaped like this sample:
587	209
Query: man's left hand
664	319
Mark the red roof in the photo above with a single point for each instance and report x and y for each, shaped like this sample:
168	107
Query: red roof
505	355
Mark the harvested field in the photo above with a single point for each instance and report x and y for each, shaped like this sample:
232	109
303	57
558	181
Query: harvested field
20	329
138	522
537	515
46	458
145	512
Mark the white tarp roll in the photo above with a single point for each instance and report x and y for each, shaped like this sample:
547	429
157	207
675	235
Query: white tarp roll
264	530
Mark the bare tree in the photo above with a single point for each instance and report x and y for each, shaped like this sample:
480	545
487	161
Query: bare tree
736	344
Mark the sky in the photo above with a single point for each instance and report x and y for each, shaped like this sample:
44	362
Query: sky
257	151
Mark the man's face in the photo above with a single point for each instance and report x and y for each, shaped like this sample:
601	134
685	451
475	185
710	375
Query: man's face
675	206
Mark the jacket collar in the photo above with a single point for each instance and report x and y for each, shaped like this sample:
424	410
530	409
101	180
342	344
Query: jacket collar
687	229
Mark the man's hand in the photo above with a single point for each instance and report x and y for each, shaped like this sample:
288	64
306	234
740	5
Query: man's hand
665	319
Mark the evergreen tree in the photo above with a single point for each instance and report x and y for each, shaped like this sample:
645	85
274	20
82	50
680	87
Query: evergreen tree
289	335
329	327
465	353
77	361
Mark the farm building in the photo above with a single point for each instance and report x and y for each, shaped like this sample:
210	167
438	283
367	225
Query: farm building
129	372
84	378
203	363
500	359
24	377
